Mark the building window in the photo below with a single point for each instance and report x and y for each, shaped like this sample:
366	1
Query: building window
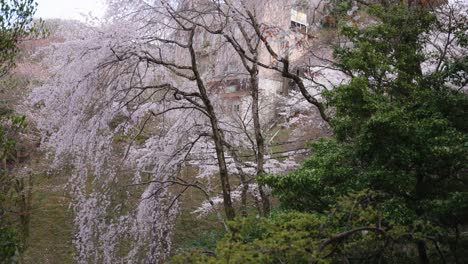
237	107
298	27
298	21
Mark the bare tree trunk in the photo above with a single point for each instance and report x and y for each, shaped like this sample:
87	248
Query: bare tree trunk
223	172
25	196
257	204
245	189
260	155
251	65
217	134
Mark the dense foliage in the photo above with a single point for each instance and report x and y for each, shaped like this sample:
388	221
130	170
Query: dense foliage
391	185
15	23
10	126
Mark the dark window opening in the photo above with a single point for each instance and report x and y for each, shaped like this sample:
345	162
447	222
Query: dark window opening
297	27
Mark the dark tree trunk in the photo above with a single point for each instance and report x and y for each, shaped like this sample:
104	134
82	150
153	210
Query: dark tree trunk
423	259
217	133
260	141
245	189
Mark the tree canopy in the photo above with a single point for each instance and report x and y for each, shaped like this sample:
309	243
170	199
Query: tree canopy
16	17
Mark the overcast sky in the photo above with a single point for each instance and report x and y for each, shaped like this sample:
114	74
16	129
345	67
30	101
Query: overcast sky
69	9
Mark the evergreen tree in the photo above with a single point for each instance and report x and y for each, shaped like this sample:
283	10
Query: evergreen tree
399	130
